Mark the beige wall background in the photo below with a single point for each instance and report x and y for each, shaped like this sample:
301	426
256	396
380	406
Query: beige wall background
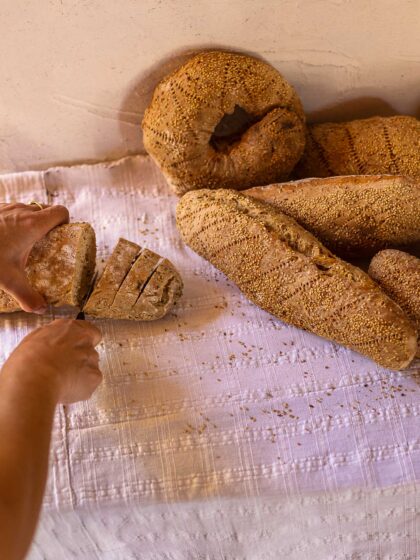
76	75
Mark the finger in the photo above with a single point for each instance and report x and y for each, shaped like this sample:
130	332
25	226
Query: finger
15	206
18	287
90	354
86	333
93	360
95	376
49	218
93	332
36	207
23	207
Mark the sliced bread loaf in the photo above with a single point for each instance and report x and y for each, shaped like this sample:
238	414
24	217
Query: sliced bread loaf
137	284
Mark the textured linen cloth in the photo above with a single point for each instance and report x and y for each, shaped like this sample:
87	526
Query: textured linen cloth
219	400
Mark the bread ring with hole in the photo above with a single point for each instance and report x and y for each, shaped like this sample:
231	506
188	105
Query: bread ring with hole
224	120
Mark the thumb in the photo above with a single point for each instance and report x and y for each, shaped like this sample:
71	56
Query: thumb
16	284
48	218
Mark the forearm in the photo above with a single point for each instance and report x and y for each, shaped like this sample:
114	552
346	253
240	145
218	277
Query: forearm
27	403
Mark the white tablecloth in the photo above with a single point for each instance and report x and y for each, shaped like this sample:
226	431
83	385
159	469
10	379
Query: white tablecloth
219	403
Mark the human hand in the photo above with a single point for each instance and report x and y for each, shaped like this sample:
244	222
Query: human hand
21	226
62	354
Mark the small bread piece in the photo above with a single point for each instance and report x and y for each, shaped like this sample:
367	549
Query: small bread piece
285	270
160	294
116	269
186	130
353	216
136	284
398	274
375	146
60	266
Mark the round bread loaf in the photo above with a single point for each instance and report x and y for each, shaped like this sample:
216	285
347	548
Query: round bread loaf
375	146
398	274
354	216
224	119
285	270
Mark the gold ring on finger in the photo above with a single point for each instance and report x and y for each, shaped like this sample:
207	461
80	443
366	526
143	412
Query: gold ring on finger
36	204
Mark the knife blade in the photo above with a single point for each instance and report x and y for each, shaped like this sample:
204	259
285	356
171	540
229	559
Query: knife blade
81	314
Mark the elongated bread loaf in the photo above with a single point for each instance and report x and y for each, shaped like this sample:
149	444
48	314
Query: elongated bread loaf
60	266
285	270
136	284
379	145
354	215
398	274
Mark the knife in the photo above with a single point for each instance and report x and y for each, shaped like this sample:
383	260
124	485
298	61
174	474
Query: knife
81	315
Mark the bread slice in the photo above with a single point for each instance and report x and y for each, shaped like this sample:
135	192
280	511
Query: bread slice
398	274
116	269
285	270
355	215
137	284
160	294
60	266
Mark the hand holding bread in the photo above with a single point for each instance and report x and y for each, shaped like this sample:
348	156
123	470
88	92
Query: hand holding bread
60	267
21	227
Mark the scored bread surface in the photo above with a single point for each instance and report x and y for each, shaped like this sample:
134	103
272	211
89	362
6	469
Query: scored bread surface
189	104
134	283
60	266
353	215
160	294
374	146
116	269
285	270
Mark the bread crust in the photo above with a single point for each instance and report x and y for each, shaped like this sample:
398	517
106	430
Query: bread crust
398	274
355	215
188	105
374	146
60	266
286	271
134	283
